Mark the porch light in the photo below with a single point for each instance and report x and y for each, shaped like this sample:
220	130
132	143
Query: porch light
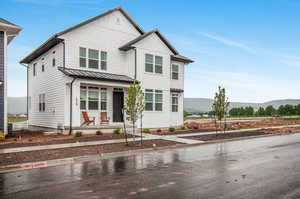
1	82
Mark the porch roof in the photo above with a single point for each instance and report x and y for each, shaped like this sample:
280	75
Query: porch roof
84	74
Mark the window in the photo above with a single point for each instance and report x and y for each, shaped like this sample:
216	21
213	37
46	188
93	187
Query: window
153	100
34	69
103	99
149	63
158	100
103	60
149	100
43	68
82	57
153	64
53	62
93	59
174	102
158	64
42	102
93	98
175	71
83	96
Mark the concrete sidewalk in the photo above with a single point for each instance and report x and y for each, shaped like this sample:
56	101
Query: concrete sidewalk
176	138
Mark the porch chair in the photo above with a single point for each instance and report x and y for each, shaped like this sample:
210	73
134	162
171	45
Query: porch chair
86	119
103	118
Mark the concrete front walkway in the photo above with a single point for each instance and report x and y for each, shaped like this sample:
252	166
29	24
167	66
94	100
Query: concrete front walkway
175	138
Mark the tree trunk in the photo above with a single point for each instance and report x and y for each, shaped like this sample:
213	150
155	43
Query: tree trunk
133	131
124	126
216	126
225	124
141	129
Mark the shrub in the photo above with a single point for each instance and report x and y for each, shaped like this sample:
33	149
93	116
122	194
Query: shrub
182	127
78	134
99	133
117	131
158	130
2	136
146	130
171	129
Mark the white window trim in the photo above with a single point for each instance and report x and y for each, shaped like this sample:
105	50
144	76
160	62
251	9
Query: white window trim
174	72
42	103
153	65
100	90
154	100
177	96
99	59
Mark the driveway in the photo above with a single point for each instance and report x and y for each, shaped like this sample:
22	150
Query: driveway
266	167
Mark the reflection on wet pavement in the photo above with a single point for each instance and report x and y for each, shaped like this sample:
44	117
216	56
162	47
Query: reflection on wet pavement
237	169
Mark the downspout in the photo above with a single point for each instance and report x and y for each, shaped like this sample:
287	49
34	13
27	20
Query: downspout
135	64
64	54
71	105
27	97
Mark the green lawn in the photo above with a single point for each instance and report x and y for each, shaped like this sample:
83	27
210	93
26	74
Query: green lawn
14	120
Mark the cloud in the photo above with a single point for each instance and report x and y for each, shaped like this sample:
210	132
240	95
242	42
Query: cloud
229	42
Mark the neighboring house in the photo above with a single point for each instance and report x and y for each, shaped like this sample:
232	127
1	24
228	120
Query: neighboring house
8	31
91	65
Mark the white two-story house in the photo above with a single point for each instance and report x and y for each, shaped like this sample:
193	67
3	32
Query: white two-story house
88	67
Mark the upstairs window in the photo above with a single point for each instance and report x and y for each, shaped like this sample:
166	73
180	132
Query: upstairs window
42	102
53	62
158	64
82	57
153	100
153	64
175	71
34	69
93	98
103	60
149	63
174	102
93	59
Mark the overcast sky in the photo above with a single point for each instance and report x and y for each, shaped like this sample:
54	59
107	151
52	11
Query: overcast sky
252	48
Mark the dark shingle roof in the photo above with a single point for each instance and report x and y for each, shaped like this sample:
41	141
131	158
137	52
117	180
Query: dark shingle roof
84	74
177	90
181	58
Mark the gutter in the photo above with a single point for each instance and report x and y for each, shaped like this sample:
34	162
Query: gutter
64	54
71	105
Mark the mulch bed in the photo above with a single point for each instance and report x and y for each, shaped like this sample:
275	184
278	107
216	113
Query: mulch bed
224	136
43	155
38	138
177	132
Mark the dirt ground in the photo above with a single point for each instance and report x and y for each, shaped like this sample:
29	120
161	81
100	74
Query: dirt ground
43	155
221	136
23	139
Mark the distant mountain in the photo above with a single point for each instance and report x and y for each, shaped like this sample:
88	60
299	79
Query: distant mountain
205	104
17	105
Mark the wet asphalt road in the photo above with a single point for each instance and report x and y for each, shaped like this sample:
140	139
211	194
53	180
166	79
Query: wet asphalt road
257	168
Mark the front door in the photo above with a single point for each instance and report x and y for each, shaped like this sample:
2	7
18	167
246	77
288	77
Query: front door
118	103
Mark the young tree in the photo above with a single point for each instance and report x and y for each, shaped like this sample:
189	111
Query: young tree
134	104
220	107
270	110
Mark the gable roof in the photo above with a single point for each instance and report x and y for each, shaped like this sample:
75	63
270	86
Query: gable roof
175	57
84	74
129	46
52	41
11	29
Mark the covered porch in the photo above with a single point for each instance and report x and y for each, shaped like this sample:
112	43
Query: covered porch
96	99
